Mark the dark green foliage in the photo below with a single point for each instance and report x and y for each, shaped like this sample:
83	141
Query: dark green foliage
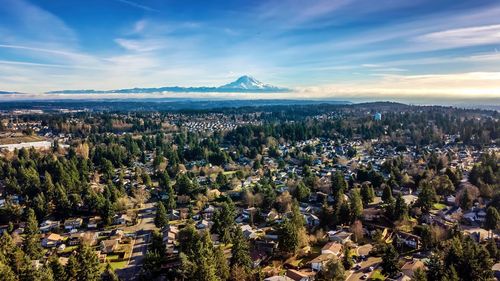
389	262
161	217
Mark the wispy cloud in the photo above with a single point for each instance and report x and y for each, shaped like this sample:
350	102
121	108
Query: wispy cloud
463	37
137	5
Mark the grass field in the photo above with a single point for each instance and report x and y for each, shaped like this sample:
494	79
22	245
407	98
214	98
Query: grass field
377	275
116	262
438	206
20	139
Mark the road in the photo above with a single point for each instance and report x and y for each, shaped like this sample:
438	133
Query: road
142	231
372	261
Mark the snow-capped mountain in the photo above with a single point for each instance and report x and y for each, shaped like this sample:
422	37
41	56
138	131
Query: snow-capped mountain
248	83
244	84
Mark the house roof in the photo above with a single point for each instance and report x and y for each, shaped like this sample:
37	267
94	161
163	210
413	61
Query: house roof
332	247
323	257
55	237
297	275
412	265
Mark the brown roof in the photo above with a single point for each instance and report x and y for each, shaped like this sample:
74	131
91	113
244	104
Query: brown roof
412	265
55	237
296	275
323	257
333	247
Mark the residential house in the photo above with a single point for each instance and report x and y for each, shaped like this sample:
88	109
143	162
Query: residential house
408	239
311	220
52	240
109	246
278	278
73	223
297	275
49	225
411	266
122	219
318	262
332	248
94	222
339	236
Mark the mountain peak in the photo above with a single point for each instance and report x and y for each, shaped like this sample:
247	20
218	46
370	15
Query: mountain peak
247	82
244	84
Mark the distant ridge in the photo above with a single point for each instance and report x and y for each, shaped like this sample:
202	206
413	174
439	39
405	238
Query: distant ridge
244	84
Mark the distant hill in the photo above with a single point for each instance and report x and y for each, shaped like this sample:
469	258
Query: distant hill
244	84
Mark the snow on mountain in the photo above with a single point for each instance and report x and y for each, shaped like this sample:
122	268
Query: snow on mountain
244	84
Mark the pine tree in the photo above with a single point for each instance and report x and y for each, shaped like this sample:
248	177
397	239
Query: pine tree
356	205
492	219
387	194
367	194
72	269
6	273
171	204
224	221
332	271
88	264
347	261
400	209
221	263
389	262
240	250
31	244
288	237
427	197
419	275
57	268
161	218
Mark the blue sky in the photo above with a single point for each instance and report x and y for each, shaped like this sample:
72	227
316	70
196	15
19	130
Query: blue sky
394	49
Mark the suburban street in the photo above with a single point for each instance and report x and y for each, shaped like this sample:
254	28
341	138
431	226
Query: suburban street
142	231
372	261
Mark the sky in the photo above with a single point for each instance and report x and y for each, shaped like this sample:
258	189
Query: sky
404	50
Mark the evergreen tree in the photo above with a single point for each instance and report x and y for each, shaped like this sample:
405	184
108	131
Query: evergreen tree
367	194
171	204
347	261
6	273
387	194
224	220
492	219
356	204
288	237
435	268
427	197
466	200
57	268
31	243
400	209
240	250
389	262
419	275
332	271
88	264
221	263
302	192
161	218
72	269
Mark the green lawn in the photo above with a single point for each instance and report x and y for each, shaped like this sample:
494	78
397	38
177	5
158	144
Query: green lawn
377	275
439	206
115	262
69	249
